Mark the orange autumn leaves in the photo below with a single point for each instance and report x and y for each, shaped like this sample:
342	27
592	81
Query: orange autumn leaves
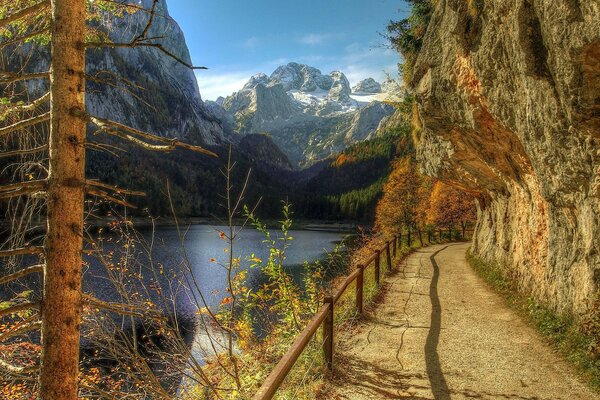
416	201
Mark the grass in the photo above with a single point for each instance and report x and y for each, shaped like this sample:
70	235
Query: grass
563	332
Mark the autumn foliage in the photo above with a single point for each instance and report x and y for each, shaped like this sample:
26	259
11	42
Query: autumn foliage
413	201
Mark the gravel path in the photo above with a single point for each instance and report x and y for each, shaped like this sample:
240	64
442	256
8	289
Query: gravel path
442	333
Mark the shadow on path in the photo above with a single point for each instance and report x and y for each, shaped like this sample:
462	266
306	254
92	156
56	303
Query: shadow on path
439	387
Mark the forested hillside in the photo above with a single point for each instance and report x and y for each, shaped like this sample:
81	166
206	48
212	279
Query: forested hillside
351	183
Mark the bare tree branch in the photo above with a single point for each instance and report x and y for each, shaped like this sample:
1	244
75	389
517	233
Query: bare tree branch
10	77
40	184
23	152
30	106
103	195
120	308
22	251
22	188
168	144
25	123
24	13
17	370
115	189
18	308
142	35
19	274
143	44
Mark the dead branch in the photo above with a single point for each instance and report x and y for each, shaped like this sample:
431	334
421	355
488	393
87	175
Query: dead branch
18	308
158	46
25	123
22	188
17	370
11	77
104	195
24	13
142	35
19	274
119	308
115	189
23	152
166	144
22	251
31	106
38	184
20	330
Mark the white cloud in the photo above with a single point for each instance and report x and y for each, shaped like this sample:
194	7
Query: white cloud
356	72
213	85
251	42
317	38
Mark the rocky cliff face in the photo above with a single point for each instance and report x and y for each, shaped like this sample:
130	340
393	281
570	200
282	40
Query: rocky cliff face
509	102
308	114
164	98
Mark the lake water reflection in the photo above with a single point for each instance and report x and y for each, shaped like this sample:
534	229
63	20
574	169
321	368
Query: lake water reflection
203	243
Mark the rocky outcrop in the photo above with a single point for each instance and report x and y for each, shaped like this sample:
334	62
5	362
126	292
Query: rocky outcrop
294	76
340	89
508	98
163	97
368	85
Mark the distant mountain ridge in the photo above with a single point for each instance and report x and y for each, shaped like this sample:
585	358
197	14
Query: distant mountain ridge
308	114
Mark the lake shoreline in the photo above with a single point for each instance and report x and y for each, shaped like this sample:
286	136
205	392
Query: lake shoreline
163	222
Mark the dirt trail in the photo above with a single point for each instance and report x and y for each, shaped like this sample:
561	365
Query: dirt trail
442	333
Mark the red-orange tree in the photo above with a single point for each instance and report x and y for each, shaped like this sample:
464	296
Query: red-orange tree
450	206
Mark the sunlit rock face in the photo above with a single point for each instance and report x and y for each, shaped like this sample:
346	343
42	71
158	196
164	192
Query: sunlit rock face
368	85
509	102
155	92
308	114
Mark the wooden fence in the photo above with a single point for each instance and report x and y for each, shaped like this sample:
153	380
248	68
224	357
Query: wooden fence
325	315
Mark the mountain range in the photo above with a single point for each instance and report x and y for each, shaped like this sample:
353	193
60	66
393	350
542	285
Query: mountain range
287	127
308	114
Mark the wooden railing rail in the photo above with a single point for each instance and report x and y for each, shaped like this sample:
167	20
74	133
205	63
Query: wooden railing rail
276	377
325	315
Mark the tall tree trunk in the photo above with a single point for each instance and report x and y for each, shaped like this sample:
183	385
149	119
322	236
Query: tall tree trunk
62	276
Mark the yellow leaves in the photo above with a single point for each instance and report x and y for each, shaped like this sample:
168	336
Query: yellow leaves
222	235
201	311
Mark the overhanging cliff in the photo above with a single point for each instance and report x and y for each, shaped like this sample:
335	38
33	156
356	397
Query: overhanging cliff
508	97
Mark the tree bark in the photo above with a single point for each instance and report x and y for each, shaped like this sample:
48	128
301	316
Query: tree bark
61	307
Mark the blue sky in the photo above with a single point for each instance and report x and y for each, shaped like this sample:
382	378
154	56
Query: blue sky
239	38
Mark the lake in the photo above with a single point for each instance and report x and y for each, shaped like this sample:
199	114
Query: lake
204	250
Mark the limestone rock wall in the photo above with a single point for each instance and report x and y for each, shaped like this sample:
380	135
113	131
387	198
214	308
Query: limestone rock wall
508	96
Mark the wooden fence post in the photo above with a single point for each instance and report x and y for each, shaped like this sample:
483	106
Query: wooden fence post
377	262
440	234
408	238
400	239
360	279
388	256
429	236
395	246
328	334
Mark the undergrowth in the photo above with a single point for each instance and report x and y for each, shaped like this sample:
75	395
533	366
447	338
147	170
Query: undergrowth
576	339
